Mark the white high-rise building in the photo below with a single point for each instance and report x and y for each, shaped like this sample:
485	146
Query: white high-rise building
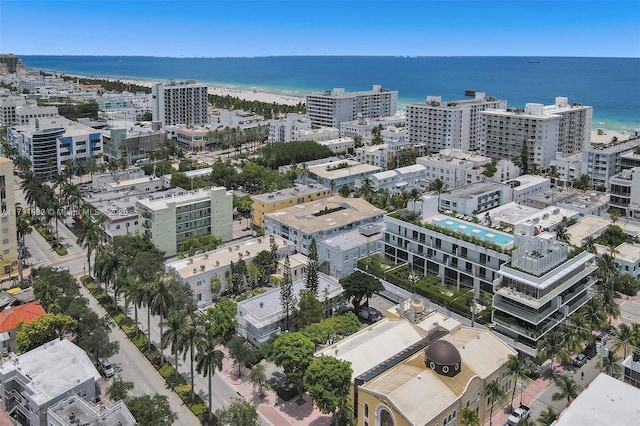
449	125
330	108
184	102
547	130
283	130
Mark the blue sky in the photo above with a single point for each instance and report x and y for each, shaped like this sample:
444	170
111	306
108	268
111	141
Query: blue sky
210	28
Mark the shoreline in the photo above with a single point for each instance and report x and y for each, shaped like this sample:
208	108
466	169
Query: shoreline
610	127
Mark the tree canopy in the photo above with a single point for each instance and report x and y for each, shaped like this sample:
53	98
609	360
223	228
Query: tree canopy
274	155
358	286
294	353
328	380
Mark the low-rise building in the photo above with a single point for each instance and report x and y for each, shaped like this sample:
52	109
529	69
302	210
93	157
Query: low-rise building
283	130
339	145
476	198
628	259
606	401
362	127
201	269
526	186
338	255
631	371
273	201
261	316
340	173
9	240
397	180
74	410
13	316
320	219
625	192
133	141
198	213
36	380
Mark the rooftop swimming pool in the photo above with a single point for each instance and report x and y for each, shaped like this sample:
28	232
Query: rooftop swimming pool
473	230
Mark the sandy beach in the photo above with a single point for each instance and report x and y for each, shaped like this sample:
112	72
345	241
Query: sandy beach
607	136
247	95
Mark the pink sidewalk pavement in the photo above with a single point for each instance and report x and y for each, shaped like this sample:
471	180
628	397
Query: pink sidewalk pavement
278	414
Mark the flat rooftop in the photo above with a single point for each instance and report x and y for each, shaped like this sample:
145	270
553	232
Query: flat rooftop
153	203
348	210
133	182
454	156
354	169
74	407
471	229
122	205
512	214
352	239
284	194
593	226
616	147
224	256
474	189
607	401
54	369
529	180
265	308
628	252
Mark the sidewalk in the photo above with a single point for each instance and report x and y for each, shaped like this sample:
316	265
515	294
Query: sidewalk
273	408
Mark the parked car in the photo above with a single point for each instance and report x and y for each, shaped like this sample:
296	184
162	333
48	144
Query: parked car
602	338
370	314
580	360
589	351
105	367
519	414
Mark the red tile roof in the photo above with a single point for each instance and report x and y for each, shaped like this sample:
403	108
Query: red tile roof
11	317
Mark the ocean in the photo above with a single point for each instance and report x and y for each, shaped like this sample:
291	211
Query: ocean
610	85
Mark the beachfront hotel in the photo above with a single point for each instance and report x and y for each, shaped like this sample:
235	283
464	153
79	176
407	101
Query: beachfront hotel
184	102
449	125
547	130
331	108
170	220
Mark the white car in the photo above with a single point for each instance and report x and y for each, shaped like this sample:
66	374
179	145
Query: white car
106	368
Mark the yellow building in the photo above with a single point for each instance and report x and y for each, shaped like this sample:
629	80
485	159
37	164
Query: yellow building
422	373
273	201
8	239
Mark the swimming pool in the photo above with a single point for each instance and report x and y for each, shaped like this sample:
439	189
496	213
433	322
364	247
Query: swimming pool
474	230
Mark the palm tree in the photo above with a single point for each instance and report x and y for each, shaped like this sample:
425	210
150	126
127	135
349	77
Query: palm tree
547	417
518	370
366	189
589	244
593	314
192	334
494	393
160	303
106	268
609	306
553	345
611	364
567	389
91	236
172	336
624	338
23	227
304	171
208	359
614	214
469	417
607	268
562	234
135	291
332	185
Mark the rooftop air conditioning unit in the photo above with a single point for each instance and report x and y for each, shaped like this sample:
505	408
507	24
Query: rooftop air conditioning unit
202	267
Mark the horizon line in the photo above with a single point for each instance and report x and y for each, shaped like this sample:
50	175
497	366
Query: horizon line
327	56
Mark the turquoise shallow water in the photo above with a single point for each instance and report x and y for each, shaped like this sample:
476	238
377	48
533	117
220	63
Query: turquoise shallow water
610	85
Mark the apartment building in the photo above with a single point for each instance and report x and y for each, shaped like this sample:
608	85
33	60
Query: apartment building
340	173
390	153
283	130
201	269
603	162
526	186
320	219
261	316
541	286
450	166
547	130
363	127
26	113
331	108
568	167
449	125
184	102
505	131
8	106
476	198
397	180
631	371
170	220
339	145
133	141
624	190
628	259
338	255
272	201
461	253
74	410
49	142
33	382
9	239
